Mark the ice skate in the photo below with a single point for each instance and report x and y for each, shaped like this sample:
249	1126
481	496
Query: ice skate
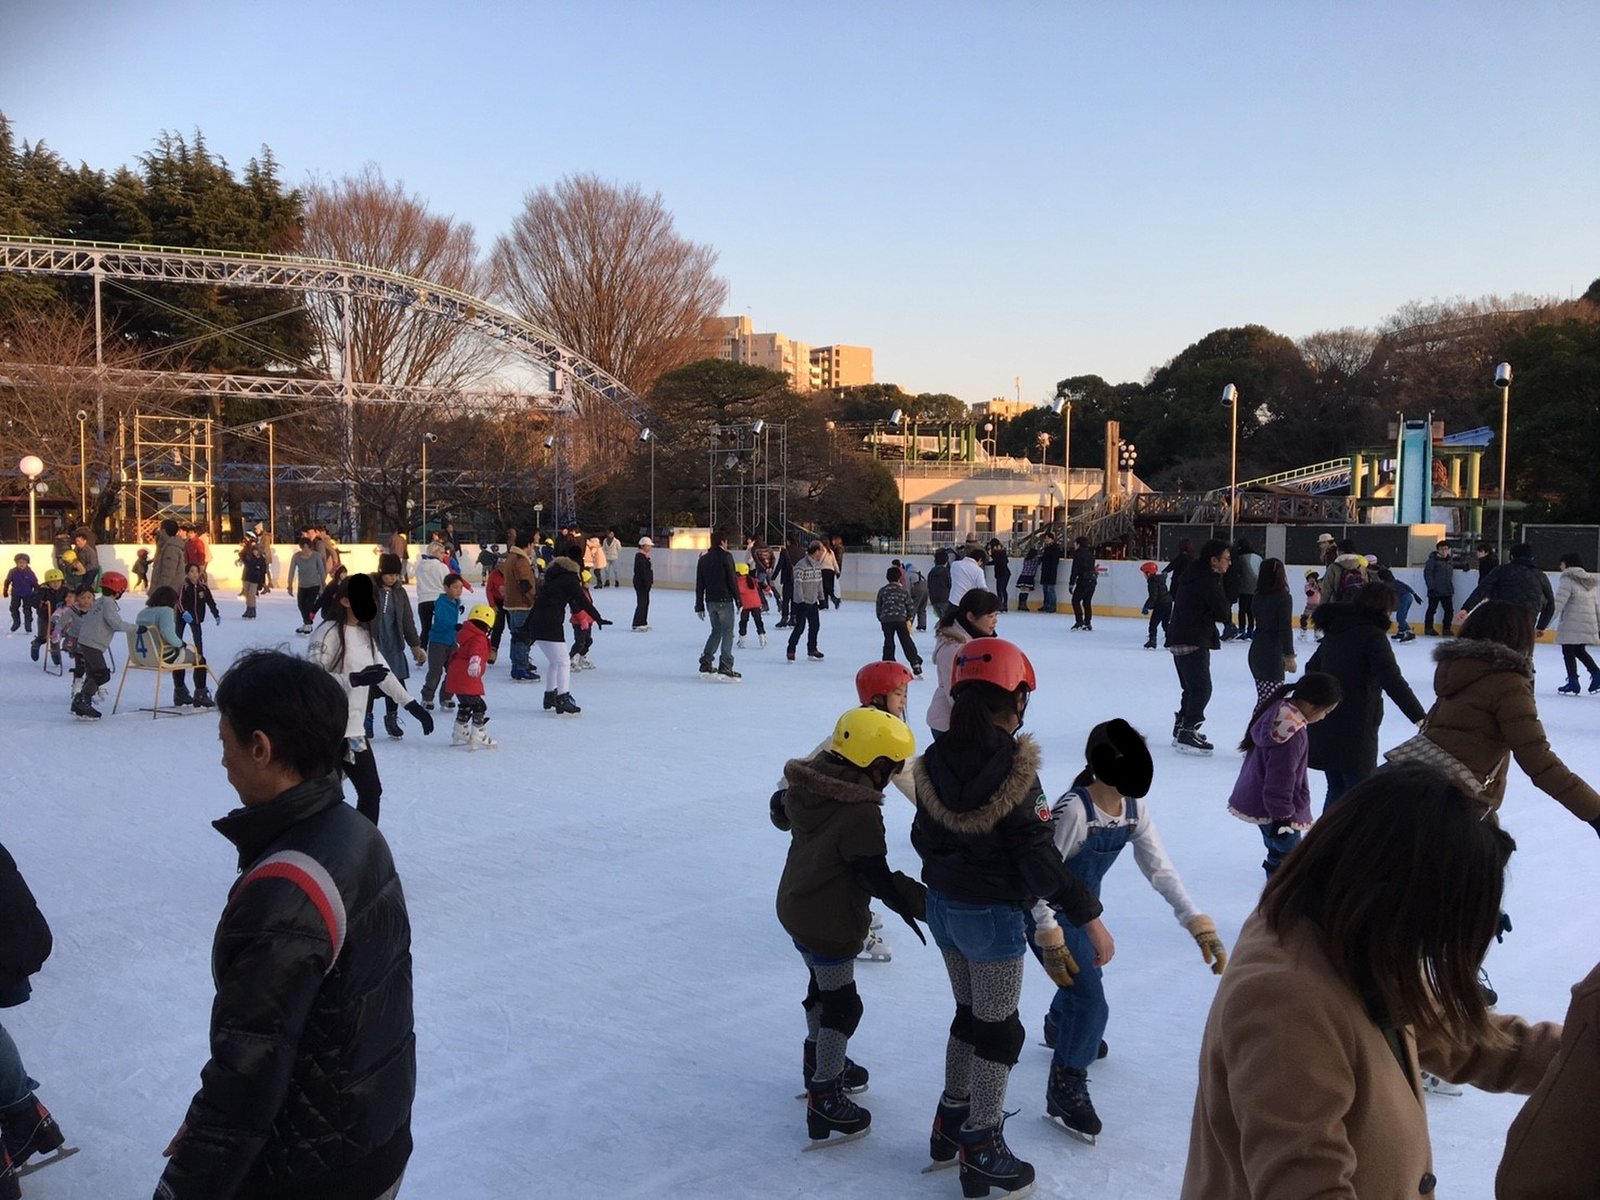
180	693
854	1078
943	1147
874	920
1435	1086
83	710
391	725
461	735
875	949
1570	687
707	671
829	1111
739	644
202	697
1594	682
1067	1104
448	703
761	638
1191	741
987	1163
565	706
728	675
29	1129
481	740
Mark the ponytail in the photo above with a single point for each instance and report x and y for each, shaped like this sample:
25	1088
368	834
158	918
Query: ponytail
1314	687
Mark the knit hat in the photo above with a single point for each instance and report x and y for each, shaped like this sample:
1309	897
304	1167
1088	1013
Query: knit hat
1117	754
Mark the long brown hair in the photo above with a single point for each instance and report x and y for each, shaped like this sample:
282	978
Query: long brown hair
1404	876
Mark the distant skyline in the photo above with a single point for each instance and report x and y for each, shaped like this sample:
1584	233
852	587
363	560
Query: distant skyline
976	191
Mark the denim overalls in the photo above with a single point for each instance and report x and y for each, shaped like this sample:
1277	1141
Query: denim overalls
1080	1012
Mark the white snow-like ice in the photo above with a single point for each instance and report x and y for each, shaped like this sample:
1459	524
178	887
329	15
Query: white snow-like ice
605	1002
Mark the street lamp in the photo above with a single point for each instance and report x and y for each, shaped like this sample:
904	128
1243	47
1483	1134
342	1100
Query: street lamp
1502	380
427	439
83	467
646	435
897	419
1127	455
32	466
1063	405
272	482
1230	401
988	436
538	522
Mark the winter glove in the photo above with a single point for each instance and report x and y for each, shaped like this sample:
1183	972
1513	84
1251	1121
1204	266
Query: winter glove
1291	665
368	676
423	717
188	618
776	810
418	653
475	667
603	621
1058	961
1204	931
1503	927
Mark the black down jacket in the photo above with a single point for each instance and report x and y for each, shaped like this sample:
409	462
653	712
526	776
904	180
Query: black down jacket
983	830
1198	606
24	935
1518	582
561	590
313	1062
1356	650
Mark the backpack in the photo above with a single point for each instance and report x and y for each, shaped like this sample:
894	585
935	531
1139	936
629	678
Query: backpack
1351	580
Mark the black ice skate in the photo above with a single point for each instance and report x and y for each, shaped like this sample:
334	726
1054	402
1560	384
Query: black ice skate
829	1111
83	710
391	725
1192	741
987	1163
944	1146
853	1078
28	1129
1067	1103
565	706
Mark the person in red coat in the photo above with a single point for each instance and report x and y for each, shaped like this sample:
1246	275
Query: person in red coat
751	602
464	680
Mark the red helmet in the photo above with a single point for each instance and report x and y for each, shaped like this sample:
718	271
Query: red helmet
992	660
879	679
1149	568
115	581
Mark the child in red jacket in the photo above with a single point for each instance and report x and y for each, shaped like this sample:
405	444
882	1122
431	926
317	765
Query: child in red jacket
750	603
464	680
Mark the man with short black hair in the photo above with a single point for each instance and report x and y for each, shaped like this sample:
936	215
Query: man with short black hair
716	593
1198	607
1518	582
312	1073
805	607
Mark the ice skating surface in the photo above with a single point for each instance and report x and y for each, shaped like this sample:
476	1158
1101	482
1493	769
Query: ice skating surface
606	1004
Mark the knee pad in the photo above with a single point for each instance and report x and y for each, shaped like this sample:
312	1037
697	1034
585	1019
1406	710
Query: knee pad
999	1041
841	1009
813	997
962	1027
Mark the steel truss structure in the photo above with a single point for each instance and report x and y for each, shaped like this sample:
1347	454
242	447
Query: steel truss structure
571	373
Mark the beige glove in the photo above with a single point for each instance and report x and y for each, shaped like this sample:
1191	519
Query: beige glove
1204	931
1058	961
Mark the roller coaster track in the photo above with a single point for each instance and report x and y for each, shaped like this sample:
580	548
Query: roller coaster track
228	268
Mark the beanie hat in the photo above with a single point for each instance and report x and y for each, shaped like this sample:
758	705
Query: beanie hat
363	596
1118	756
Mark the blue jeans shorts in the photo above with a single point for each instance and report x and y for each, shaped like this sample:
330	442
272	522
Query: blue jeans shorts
978	932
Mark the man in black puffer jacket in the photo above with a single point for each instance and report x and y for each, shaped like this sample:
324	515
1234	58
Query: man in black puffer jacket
1199	605
1518	582
313	1061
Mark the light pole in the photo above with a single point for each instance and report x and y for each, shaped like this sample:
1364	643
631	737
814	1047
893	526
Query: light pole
897	419
1502	380
427	439
645	435
988	436
32	466
83	467
1127	455
538	522
1063	405
272	483
1230	401
550	444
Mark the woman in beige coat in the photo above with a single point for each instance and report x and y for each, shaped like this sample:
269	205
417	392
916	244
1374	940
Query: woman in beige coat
1357	972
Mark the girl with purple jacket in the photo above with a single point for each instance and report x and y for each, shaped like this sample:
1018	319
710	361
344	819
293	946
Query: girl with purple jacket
1272	792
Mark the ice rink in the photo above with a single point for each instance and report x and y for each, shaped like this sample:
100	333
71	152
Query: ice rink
605	1002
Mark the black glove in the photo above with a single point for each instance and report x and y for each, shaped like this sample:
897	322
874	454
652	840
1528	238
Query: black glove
777	811
423	717
603	621
1596	824
1503	926
368	676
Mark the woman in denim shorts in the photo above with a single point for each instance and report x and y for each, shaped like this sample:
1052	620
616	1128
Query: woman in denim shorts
983	831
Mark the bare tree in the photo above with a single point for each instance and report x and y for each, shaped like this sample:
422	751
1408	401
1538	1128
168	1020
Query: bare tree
603	269
367	219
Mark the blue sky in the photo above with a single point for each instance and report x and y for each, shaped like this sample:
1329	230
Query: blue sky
978	191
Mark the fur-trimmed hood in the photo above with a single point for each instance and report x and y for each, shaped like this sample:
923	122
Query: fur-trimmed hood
816	783
970	794
955	633
1466	660
1581	578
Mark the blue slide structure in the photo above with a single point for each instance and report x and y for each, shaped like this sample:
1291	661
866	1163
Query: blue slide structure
1413	476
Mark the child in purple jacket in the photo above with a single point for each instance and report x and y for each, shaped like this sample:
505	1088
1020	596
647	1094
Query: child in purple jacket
1272	792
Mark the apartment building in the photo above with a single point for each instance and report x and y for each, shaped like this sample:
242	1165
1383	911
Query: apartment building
842	366
809	369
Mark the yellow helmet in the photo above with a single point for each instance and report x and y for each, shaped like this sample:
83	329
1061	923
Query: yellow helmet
71	556
587	576
742	568
864	735
53	576
481	613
